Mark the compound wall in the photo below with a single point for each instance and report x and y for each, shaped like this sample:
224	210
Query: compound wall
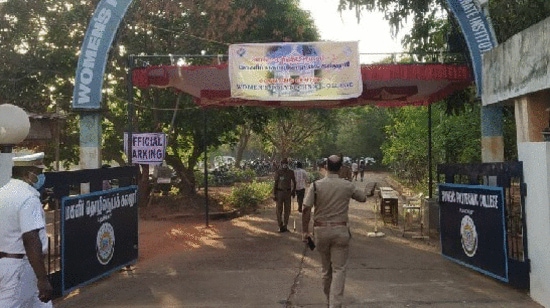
518	72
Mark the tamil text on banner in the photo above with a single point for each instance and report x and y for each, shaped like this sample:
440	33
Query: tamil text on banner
473	227
147	148
295	71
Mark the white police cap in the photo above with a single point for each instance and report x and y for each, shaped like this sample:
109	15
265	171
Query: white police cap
30	160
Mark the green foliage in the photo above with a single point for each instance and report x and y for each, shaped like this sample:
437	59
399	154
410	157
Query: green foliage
40	43
243	175
361	131
199	178
233	175
406	146
290	133
209	25
250	195
428	18
314	176
455	139
456	132
512	16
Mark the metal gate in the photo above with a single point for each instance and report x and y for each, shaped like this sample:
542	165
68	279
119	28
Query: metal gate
509	176
67	183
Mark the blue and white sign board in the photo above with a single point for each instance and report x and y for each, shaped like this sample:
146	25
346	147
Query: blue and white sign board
94	52
472	226
99	235
477	32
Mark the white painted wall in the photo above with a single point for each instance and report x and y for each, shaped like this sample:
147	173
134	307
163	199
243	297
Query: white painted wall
536	162
518	66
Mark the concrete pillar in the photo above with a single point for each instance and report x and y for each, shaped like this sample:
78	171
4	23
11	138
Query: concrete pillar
531	116
90	144
492	141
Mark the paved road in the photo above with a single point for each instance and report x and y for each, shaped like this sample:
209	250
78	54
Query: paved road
245	262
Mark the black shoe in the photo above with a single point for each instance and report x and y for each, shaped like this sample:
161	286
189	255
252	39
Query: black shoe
281	229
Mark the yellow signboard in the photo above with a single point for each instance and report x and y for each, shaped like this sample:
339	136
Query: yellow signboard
295	71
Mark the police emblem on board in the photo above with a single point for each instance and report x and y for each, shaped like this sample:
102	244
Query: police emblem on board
105	243
468	236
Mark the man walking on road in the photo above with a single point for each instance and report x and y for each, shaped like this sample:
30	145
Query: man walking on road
284	189
331	197
354	170
301	182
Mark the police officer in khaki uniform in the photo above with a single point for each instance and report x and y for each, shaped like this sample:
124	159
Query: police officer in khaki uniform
284	188
345	170
23	240
331	196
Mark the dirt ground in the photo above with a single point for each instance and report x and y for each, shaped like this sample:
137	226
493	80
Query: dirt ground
164	206
172	224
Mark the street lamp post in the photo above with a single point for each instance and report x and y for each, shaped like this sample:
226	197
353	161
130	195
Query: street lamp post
14	128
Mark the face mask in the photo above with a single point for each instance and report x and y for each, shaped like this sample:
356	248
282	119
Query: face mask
40	180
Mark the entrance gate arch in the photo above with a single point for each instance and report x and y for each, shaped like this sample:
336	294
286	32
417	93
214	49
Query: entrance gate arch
107	18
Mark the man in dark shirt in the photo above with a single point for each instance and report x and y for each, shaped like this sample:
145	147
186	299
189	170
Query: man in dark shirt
283	189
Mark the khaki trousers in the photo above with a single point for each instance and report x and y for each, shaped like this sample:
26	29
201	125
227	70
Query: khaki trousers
283	207
333	246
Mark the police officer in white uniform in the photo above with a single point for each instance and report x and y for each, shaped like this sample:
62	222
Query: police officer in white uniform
23	240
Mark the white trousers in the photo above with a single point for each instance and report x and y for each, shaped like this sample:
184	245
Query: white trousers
18	285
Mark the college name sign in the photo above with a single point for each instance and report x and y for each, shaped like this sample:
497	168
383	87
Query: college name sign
99	235
472	223
295	71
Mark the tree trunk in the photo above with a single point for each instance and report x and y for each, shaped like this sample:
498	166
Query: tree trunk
144	187
186	175
241	146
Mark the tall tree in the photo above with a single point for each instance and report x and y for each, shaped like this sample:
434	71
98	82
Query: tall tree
189	27
40	43
361	131
508	16
289	131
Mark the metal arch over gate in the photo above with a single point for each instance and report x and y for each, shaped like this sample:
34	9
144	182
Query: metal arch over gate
108	15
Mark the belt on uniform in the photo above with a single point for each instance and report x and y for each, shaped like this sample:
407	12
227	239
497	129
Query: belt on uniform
12	255
329	223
